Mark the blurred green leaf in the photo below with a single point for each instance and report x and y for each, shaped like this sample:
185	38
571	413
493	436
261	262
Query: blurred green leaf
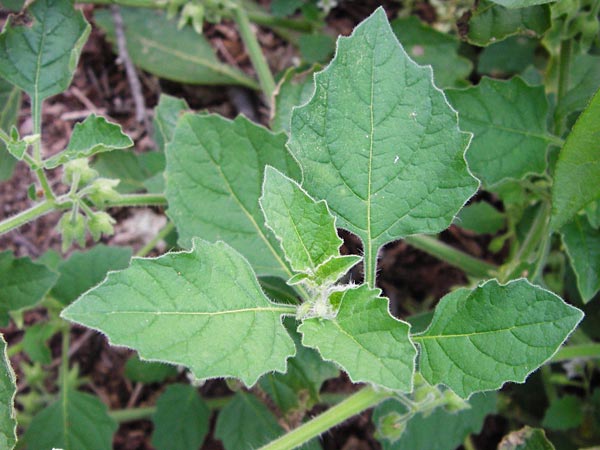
140	371
481	218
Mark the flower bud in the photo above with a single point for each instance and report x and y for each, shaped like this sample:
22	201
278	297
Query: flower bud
72	228
102	191
100	223
81	167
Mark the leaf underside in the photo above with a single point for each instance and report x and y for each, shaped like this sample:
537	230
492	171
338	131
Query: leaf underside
203	309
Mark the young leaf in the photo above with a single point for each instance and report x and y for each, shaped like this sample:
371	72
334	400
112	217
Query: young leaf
10	102
480	339
582	243
426	45
76	421
181	420
94	135
245	422
166	114
578	168
35	342
295	88
491	23
380	143
23	283
222	162
157	45
331	270
526	438
451	428
508	119
564	413
84	270
364	339
8	389
41	58
304	227
203	309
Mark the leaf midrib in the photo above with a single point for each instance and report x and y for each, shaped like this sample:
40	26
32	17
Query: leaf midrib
275	309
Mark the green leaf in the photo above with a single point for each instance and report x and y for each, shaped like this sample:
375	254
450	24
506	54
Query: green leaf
181	420
582	243
333	269
76	421
140	371
364	339
451	429
166	114
295	88
84	270
425	45
94	135
521	3
158	46
526	438
134	170
491	23
8	389
380	143
480	217
584	81
316	48
298	388
245	422
578	168
480	339
564	413
511	56
23	283
304	227
202	309
222	162
10	102
35	342
13	5
508	119
41	58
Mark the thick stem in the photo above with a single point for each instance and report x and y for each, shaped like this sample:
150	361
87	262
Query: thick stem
265	77
473	267
358	402
26	216
564	64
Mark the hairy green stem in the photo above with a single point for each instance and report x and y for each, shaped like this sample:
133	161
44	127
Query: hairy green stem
265	77
138	200
577	351
366	398
564	68
472	266
26	216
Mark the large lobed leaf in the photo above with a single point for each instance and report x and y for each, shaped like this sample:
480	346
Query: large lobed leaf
203	309
380	143
364	339
215	170
508	119
41	58
578	167
480	339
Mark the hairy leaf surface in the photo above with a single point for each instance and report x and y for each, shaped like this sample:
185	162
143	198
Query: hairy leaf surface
8	389
41	58
215	170
479	339
578	167
94	135
10	102
23	283
582	243
304	227
508	119
75	421
203	309
380	143
364	339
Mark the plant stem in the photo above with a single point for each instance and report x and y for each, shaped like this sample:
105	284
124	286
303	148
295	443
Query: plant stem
577	351
563	68
370	266
265	77
64	363
138	200
154	241
366	398
26	216
473	267
132	414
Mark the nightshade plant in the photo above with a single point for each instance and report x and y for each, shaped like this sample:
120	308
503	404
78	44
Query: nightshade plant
373	147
